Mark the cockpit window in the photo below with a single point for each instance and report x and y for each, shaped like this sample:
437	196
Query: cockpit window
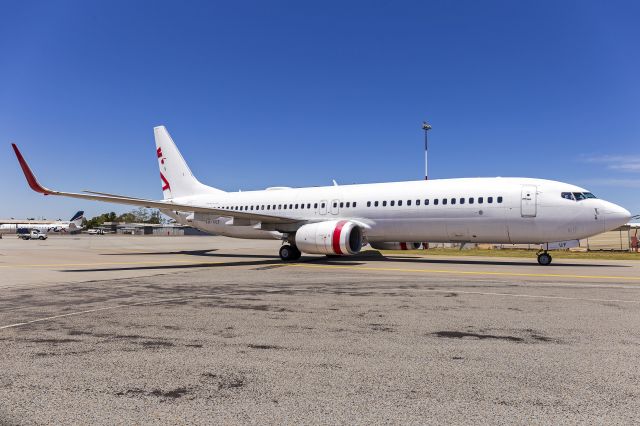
567	196
577	196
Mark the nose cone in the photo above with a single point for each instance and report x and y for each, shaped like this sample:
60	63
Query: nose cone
615	216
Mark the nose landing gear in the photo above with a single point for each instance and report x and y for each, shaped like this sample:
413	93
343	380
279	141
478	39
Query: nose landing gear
289	253
544	258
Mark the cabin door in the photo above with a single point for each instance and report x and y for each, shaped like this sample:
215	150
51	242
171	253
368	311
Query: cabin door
528	201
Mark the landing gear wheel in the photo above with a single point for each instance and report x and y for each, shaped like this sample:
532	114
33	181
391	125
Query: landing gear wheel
544	259
289	253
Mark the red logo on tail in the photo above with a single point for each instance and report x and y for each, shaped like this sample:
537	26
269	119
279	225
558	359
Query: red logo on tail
165	182
159	152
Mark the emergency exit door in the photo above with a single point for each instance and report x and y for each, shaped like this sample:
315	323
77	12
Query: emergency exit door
528	202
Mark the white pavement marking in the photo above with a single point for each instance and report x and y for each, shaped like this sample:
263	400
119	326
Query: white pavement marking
88	311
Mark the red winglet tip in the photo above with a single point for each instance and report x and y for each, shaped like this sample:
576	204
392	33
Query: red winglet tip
31	178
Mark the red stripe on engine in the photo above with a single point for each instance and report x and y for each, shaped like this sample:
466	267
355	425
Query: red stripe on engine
335	239
403	246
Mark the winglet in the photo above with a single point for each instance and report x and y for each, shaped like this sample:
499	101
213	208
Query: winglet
31	178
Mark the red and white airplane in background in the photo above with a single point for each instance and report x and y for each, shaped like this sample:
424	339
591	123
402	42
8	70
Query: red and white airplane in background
339	220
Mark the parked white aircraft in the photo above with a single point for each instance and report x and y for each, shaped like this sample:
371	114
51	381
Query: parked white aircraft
12	226
339	220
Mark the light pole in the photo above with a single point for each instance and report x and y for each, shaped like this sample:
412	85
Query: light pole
426	127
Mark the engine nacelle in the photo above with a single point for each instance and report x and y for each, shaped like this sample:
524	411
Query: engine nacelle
396	246
341	237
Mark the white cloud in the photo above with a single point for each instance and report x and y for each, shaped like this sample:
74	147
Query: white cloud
612	182
624	163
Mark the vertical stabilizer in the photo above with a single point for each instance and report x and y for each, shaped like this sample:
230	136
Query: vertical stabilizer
77	218
175	175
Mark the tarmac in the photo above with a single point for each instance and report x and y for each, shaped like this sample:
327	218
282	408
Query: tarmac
166	330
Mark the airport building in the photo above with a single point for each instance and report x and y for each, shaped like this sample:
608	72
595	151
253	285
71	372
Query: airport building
166	230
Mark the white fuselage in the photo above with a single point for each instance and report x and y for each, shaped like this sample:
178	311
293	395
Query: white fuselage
483	210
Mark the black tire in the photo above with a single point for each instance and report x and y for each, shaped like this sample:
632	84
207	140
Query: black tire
544	259
289	253
298	253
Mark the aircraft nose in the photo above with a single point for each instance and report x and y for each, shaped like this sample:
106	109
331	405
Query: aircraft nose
616	216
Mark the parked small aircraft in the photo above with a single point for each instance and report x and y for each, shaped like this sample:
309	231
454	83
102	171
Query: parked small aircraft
12	226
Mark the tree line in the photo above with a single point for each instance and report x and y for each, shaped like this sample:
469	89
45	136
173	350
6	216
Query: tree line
140	215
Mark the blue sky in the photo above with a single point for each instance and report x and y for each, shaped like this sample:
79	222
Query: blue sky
260	94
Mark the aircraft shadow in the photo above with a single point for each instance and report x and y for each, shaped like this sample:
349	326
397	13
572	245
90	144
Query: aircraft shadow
356	260
266	263
205	253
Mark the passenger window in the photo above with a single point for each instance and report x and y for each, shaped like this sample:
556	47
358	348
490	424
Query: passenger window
315	205
453	201
499	199
302	206
435	202
308	205
384	204
296	206
417	202
290	206
335	205
348	204
461	200
471	200
279	206
393	202
341	205
399	203
489	200
426	202
285	207
408	202
268	207
375	204
480	200
368	203
444	201
322	205
354	204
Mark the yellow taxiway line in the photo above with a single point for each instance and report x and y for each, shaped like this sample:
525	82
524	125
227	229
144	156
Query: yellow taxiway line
167	262
450	271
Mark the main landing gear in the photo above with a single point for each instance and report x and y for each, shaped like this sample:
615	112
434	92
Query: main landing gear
544	258
289	253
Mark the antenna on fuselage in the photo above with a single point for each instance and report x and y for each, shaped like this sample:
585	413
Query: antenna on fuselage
426	127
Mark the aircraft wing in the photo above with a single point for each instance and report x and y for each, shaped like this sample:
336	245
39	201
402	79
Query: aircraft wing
141	202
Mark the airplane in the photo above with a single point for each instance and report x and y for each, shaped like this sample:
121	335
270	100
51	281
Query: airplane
340	220
73	224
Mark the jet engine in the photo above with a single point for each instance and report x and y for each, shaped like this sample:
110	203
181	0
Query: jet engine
341	237
396	246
